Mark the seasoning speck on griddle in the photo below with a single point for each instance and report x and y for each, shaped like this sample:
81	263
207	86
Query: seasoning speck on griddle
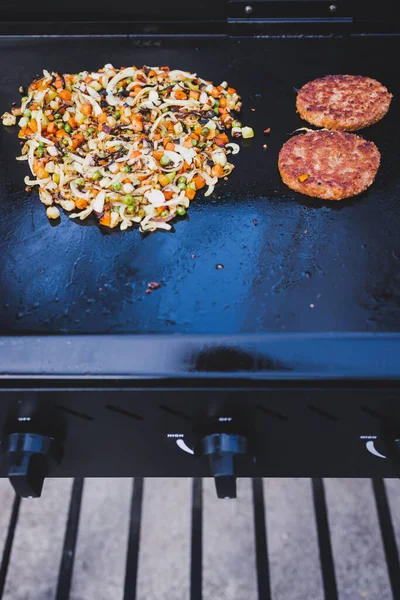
265	146
153	285
267	131
255	221
219	266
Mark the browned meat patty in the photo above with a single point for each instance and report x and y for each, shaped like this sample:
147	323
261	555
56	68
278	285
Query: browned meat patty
332	165
345	102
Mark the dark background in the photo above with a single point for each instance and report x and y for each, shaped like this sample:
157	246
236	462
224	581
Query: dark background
341	257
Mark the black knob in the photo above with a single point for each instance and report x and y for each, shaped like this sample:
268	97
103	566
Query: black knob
31	458
223	450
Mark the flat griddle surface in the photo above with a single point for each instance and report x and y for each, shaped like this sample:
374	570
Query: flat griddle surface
306	266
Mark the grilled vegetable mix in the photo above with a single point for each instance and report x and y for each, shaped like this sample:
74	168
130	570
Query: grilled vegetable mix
129	145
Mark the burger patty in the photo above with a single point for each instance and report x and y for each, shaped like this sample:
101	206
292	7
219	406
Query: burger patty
332	165
345	102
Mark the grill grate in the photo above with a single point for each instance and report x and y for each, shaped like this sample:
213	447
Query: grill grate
264	586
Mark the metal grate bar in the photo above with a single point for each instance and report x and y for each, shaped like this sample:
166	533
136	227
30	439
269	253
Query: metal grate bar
71	536
196	559
260	528
132	559
388	536
9	543
324	540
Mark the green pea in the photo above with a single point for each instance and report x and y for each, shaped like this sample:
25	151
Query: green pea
142	213
67	127
194	142
192	185
165	160
117	114
181	210
117	186
60	125
41	144
24	98
130	210
126	169
39	152
182	179
165	213
129	80
216	104
182	186
57	116
205	131
64	141
96	175
80	182
90	130
202	145
27	113
237	124
128	199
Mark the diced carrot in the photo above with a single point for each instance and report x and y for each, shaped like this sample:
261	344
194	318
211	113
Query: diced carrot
77	140
41	173
185	166
199	182
217	171
61	133
195	136
106	219
50	118
168	194
231	91
80	203
102	118
126	180
88	79
223	102
136	153
188	143
151	73
189	193
215	92
222	110
180	95
198	130
211	135
51	128
193	94
65	95
163	180
158	154
58	83
137	125
141	177
170	146
86	109
157	136
33	125
135	90
221	139
72	122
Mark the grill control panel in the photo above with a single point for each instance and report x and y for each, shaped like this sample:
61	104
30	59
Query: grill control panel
189	432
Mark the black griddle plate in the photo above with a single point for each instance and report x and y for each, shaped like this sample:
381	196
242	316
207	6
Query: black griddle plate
306	266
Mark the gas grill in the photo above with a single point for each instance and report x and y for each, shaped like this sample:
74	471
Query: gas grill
286	361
